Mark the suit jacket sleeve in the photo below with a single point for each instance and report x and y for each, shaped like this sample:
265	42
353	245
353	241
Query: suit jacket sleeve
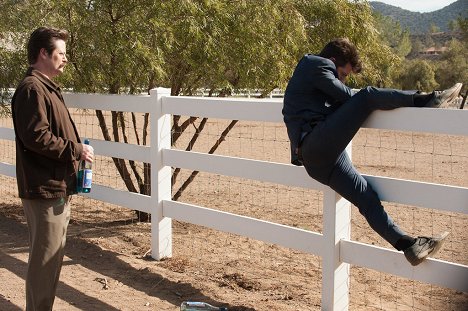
326	80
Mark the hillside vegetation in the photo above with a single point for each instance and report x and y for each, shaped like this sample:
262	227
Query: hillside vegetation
420	23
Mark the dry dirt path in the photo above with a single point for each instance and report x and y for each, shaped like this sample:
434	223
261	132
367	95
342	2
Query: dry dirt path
86	271
92	278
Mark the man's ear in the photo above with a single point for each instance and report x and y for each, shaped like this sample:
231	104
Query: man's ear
43	53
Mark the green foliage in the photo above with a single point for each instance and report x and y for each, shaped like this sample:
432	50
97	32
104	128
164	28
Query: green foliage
434	28
229	44
463	26
9	62
130	46
392	34
453	25
327	19
420	23
417	47
12	46
110	49
453	66
416	75
12	55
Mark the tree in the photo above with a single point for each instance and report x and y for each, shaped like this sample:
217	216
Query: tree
434	29
112	53
416	75
463	25
226	46
417	47
428	40
131	46
108	53
326	20
453	25
392	34
12	55
127	46
453	66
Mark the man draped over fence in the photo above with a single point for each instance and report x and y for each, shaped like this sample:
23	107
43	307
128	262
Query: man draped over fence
322	115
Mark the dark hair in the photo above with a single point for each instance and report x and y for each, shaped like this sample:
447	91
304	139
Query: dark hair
44	38
343	51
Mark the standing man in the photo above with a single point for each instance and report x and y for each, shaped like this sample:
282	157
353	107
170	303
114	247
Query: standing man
322	115
48	150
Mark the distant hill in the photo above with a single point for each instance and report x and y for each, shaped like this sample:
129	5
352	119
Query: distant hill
420	23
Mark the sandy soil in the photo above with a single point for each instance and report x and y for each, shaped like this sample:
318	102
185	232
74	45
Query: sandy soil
107	265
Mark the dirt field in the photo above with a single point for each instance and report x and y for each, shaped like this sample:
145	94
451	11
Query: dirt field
107	265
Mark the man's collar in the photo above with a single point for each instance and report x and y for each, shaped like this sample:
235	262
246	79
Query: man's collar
49	83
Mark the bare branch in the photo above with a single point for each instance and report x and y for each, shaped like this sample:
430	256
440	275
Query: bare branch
190	146
132	163
135	128
223	136
122	169
145	128
212	150
180	129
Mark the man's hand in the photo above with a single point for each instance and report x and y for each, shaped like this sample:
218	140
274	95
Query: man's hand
88	153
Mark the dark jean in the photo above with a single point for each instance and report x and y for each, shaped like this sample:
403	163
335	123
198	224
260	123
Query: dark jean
326	161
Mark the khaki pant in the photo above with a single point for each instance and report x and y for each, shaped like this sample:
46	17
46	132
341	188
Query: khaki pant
47	222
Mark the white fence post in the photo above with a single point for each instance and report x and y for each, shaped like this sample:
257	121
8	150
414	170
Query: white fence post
336	226
161	227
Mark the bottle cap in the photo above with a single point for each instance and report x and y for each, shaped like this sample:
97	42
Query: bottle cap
86	141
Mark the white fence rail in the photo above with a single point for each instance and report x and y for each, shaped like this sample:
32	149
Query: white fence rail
334	245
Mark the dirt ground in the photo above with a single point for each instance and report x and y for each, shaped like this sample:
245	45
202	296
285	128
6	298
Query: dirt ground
107	266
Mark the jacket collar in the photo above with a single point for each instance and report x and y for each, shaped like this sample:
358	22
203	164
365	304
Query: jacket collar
39	75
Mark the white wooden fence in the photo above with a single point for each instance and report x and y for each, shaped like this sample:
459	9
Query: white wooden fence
334	245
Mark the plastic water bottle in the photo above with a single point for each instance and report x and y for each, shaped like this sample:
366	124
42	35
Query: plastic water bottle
197	306
85	175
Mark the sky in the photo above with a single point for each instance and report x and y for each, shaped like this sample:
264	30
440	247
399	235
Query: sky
419	5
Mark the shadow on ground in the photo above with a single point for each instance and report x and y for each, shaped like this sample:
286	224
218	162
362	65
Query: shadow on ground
14	238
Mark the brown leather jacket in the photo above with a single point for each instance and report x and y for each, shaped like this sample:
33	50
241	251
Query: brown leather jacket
48	147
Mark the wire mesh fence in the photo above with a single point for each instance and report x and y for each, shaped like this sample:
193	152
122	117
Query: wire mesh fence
281	278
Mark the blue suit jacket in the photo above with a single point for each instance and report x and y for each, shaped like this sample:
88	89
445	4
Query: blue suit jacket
313	92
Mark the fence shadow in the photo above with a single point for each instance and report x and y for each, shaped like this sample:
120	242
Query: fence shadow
6	305
103	262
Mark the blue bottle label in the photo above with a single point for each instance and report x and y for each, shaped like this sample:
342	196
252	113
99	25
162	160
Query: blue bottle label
87	178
